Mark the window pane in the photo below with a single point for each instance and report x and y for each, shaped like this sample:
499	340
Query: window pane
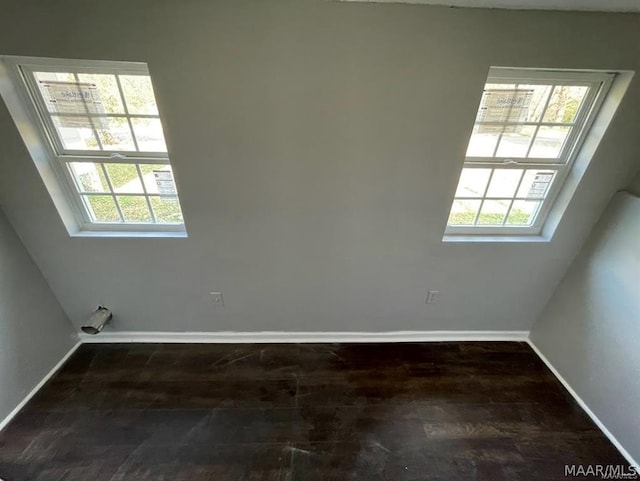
513	103
549	142
134	208
158	179
107	91
536	183
499	86
564	104
115	134
89	176
523	212
149	134
473	182
504	105
63	93
493	212
539	95
504	182
167	210
138	94
43	77
124	178
102	208
75	133
483	141
463	212
515	141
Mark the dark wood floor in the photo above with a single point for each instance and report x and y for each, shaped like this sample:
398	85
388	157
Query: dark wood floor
301	412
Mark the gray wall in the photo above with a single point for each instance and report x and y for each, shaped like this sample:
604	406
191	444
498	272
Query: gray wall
34	331
317	146
591	327
634	187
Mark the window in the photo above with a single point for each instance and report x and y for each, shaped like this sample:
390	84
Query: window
99	127
528	130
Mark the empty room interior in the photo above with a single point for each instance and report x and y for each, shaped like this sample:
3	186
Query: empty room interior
304	240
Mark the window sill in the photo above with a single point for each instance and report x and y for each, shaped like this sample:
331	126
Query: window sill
495	238
130	234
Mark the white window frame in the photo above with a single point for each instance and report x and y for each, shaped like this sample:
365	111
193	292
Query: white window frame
600	84
18	88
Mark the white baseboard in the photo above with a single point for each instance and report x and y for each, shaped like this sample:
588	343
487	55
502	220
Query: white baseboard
38	386
585	407
303	337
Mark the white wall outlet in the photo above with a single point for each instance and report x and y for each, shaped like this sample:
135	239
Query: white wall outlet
432	296
216	297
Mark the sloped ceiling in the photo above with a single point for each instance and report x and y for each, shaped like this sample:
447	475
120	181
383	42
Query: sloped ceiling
575	5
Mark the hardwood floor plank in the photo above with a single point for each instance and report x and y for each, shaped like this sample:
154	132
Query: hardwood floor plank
301	412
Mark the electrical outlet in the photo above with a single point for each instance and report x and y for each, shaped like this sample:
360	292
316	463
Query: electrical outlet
216	297
432	296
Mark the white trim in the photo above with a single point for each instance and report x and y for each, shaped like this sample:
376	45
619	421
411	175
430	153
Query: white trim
495	238
585	407
38	386
302	337
570	5
176	234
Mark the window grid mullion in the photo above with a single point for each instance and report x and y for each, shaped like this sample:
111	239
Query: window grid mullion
484	195
537	199
486	187
477	216
93	125
492	123
533	139
518	163
128	194
515	196
113	192
146	195
495	149
103	156
542	114
105	115
515	193
548	101
506	214
127	114
133	134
